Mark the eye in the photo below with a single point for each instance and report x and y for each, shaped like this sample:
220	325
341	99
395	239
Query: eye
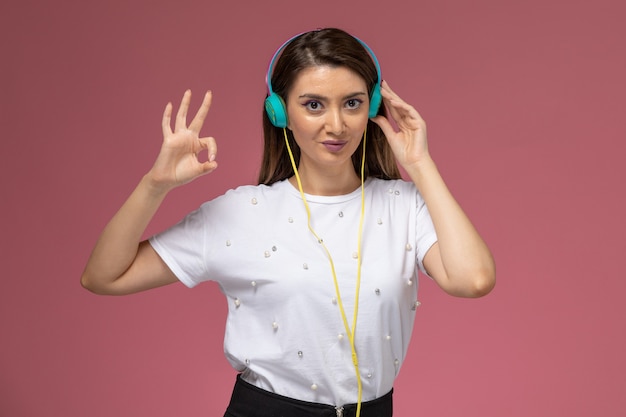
313	105
354	103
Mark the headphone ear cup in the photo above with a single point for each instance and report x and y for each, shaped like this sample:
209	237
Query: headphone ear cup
276	110
375	99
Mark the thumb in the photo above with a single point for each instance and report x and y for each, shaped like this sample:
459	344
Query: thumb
211	146
208	167
210	164
384	125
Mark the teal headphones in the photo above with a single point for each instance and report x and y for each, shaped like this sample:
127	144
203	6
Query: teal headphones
275	105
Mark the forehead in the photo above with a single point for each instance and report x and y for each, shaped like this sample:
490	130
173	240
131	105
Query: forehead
328	81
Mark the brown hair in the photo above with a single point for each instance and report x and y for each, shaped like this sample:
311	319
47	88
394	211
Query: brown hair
336	48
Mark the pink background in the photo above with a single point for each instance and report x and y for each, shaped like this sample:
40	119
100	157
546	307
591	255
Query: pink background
525	103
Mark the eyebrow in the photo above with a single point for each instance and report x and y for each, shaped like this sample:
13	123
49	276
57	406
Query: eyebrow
320	97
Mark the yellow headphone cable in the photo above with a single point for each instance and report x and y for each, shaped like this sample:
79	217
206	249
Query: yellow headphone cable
351	331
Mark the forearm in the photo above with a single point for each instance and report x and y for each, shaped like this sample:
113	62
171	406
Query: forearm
467	266
118	244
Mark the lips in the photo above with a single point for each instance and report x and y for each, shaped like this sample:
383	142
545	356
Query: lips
334	145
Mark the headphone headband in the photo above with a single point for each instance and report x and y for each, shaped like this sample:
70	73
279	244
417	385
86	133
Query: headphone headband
275	105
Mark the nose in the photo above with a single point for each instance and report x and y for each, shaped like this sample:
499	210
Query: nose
335	123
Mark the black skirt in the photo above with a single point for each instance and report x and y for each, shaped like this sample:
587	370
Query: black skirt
250	401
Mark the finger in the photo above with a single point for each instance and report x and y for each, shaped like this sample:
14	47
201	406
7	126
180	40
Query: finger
389	93
198	120
393	99
399	108
386	91
390	99
403	113
384	125
208	167
211	146
393	109
211	164
181	116
166	122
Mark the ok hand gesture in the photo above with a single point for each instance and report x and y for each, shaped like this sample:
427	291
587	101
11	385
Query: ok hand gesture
178	161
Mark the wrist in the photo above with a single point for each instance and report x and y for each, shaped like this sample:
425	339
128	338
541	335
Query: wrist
153	186
422	168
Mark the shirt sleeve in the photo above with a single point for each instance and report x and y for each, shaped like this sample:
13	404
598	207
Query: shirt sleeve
425	235
183	248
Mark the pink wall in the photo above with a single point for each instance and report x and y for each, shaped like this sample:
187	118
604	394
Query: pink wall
525	103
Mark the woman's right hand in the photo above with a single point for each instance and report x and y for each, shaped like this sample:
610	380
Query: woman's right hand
178	162
123	264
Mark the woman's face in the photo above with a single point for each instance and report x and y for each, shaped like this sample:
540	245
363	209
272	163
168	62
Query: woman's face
327	111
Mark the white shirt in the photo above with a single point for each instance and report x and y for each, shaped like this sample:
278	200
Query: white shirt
284	329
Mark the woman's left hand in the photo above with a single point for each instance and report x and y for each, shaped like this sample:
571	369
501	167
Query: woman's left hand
408	143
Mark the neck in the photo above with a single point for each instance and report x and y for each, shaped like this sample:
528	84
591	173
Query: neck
327	183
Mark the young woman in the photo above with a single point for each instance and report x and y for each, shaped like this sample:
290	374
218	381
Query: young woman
319	261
